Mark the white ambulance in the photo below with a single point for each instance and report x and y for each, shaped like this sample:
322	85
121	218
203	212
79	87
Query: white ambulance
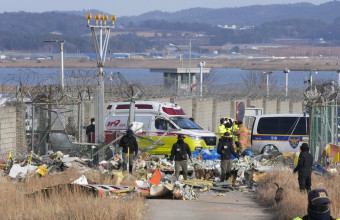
160	119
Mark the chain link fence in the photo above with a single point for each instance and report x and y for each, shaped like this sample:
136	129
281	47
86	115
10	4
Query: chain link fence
323	107
56	119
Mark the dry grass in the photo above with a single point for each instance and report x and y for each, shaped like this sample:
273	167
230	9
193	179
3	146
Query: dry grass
14	204
295	203
326	63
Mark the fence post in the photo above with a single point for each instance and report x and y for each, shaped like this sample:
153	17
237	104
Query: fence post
232	109
194	108
214	115
264	106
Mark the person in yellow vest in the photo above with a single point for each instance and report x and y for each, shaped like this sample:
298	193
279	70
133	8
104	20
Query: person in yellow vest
222	129
235	129
228	127
243	136
318	206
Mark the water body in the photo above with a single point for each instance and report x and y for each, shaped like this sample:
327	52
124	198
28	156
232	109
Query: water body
296	79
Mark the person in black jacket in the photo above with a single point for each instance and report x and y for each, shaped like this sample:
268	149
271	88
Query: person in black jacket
90	130
130	149
180	152
304	168
225	149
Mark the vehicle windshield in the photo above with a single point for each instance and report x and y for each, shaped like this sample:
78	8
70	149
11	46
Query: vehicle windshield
185	123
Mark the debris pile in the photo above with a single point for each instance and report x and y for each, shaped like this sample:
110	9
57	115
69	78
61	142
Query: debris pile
153	176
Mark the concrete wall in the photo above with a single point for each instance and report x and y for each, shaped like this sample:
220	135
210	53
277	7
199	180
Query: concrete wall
223	109
203	113
206	113
186	104
257	103
12	131
270	107
164	99
297	107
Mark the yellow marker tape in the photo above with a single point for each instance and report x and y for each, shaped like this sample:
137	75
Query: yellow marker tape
30	159
296	159
336	158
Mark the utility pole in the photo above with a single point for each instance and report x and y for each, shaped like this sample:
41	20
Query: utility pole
61	44
101	48
201	65
338	71
190	64
286	71
311	78
267	74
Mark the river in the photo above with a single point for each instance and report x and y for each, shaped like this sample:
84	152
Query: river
296	79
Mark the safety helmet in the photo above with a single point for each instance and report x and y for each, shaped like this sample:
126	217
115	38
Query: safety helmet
222	120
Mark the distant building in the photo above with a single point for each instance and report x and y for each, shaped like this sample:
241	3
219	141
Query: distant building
120	56
234	27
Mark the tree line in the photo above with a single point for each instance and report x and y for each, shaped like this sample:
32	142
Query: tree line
26	32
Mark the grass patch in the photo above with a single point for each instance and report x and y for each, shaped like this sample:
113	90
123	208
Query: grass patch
295	203
14	204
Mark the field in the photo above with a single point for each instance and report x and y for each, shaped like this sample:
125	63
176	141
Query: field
327	63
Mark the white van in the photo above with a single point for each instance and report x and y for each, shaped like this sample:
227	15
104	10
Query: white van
159	118
285	132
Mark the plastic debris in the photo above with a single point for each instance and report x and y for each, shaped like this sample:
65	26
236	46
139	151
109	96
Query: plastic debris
247	152
81	180
42	170
318	169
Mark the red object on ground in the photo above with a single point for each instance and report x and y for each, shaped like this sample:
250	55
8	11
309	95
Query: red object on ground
155	179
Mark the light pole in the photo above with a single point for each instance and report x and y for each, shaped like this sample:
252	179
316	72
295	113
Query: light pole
101	48
189	63
61	44
286	71
338	71
311	78
267	75
201	65
181	53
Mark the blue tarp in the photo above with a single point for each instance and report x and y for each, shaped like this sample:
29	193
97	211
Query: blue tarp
207	154
247	152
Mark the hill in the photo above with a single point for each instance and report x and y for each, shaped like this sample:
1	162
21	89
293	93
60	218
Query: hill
249	15
26	31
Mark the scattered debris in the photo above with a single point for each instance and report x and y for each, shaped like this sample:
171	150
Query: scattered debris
153	176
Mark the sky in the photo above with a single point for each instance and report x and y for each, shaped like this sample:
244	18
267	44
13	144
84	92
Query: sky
132	7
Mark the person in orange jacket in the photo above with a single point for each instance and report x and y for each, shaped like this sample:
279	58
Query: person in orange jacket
243	136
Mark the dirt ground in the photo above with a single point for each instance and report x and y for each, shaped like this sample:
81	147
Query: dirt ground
326	63
232	205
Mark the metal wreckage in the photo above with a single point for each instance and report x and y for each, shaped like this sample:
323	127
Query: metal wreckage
152	176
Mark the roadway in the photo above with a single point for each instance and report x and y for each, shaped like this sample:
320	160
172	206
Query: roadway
210	205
